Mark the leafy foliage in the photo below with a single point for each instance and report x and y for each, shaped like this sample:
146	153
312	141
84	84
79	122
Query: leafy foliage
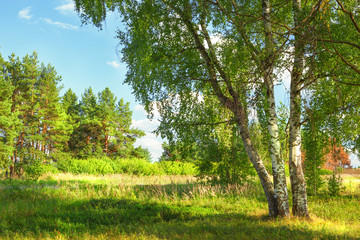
133	166
314	143
216	149
35	170
178	168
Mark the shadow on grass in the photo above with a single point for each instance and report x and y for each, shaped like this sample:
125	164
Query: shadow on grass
23	184
117	217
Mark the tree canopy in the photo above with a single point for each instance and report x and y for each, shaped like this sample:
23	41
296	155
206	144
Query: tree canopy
38	125
182	53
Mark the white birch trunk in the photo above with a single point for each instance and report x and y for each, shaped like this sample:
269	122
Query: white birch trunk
264	176
236	107
278	165
298	185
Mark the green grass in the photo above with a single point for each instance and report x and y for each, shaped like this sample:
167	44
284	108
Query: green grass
65	206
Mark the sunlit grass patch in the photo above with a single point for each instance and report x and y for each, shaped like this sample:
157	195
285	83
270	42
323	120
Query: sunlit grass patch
66	206
116	179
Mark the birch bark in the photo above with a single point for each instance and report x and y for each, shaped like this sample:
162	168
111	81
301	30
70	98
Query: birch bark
298	185
254	157
278	165
234	104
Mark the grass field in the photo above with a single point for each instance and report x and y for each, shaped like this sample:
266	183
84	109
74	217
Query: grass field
66	206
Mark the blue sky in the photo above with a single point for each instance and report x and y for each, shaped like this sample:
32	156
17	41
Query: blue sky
82	55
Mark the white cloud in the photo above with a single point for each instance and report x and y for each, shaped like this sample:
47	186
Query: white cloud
151	142
283	78
140	108
60	24
66	8
145	124
114	64
25	13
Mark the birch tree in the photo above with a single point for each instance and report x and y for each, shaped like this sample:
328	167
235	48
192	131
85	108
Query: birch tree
231	49
180	35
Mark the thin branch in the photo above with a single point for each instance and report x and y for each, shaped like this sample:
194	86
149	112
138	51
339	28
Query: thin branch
352	66
350	15
226	101
315	79
334	111
342	42
347	83
207	124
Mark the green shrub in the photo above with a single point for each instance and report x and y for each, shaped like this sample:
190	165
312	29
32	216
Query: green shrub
335	185
35	170
134	166
137	166
178	168
90	165
339	170
326	172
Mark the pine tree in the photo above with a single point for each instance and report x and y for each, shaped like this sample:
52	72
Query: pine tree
70	103
15	74
103	125
71	107
34	98
37	126
8	119
107	104
117	135
124	136
52	127
85	139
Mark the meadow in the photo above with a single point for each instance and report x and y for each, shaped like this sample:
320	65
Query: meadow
122	206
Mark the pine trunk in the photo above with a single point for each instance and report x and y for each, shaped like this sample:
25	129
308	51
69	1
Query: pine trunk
106	139
12	168
13	158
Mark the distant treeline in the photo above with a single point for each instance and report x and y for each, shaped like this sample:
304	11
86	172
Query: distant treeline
38	125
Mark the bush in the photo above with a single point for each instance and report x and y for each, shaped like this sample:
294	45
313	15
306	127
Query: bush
178	168
35	170
339	170
335	185
326	172
135	166
90	165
